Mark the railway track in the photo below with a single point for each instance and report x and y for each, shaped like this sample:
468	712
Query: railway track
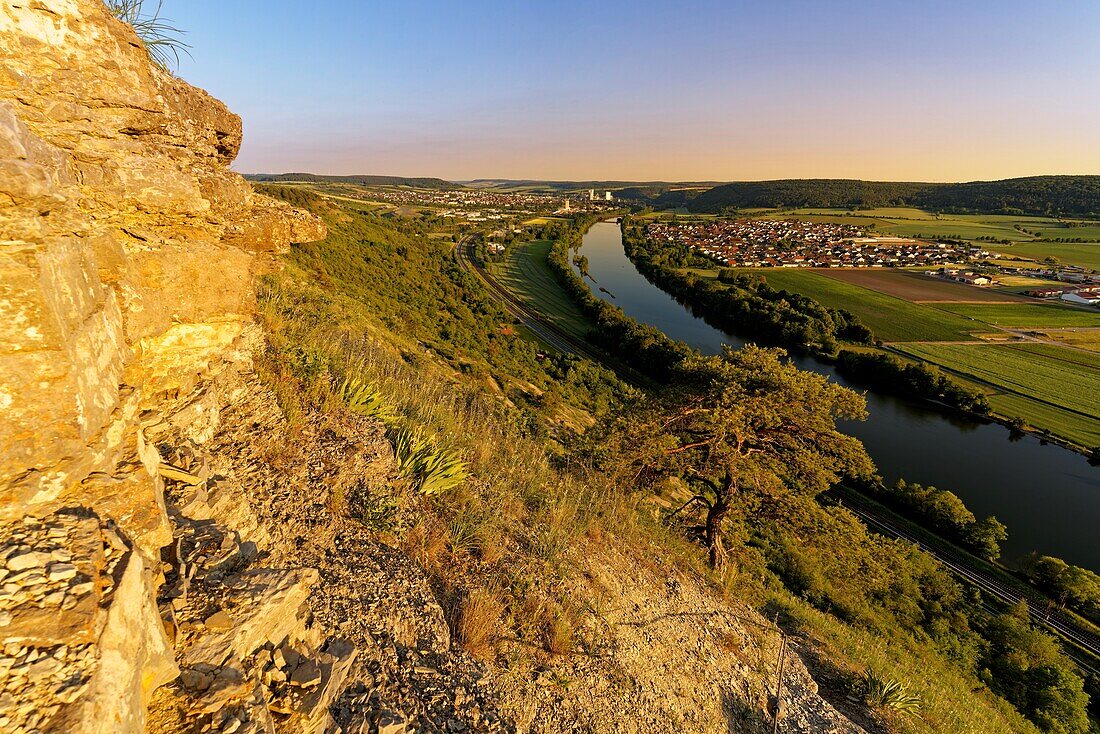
1085	644
546	331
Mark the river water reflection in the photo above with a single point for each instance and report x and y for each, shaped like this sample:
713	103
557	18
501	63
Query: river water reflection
1048	497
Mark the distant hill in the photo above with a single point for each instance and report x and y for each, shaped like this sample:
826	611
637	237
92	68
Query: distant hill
365	180
1072	195
1078	195
1067	195
661	196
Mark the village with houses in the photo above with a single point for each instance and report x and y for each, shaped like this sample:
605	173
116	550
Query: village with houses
763	243
771	243
470	205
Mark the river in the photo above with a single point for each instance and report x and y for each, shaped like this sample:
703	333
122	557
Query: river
1048	496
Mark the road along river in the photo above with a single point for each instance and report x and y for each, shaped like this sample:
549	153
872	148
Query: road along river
1048	496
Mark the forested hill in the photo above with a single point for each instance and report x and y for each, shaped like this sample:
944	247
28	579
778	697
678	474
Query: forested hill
1076	195
367	180
661	197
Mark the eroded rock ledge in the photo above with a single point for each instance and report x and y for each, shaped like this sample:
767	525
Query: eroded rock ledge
128	252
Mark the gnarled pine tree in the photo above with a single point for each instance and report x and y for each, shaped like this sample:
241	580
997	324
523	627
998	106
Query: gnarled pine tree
743	419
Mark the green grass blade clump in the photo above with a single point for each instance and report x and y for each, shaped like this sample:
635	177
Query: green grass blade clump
440	471
163	41
434	469
889	693
407	446
364	398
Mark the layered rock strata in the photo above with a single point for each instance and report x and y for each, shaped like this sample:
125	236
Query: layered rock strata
128	254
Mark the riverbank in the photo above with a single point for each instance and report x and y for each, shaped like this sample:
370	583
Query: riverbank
1013	424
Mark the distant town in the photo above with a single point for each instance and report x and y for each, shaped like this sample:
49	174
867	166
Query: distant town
473	205
763	243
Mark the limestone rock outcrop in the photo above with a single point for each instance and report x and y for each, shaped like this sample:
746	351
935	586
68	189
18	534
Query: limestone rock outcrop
128	256
129	247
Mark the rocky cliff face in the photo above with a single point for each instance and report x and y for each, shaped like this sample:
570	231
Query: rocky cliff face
128	251
129	246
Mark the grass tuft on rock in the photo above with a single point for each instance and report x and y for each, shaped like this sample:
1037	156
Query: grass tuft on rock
478	626
162	41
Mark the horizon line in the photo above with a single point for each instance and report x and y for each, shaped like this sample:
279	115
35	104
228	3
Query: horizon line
717	182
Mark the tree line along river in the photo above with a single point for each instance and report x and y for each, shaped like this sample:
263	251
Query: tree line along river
1048	496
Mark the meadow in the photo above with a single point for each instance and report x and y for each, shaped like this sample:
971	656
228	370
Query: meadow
904	307
1088	339
890	318
1021	283
526	274
1054	388
1025	315
1085	254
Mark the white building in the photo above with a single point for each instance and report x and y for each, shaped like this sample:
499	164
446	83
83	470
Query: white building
607	196
1085	299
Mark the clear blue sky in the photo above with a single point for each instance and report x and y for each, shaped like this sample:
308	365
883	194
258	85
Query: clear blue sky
933	90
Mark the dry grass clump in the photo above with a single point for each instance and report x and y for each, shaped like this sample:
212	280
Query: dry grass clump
478	622
559	634
491	543
543	623
426	543
530	614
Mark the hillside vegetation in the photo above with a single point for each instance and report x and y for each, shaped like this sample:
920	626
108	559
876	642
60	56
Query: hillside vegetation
391	308
1073	195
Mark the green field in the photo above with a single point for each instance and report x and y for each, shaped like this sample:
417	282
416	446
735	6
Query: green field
1025	315
1084	254
1087	231
1088	340
526	274
891	319
1052	388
